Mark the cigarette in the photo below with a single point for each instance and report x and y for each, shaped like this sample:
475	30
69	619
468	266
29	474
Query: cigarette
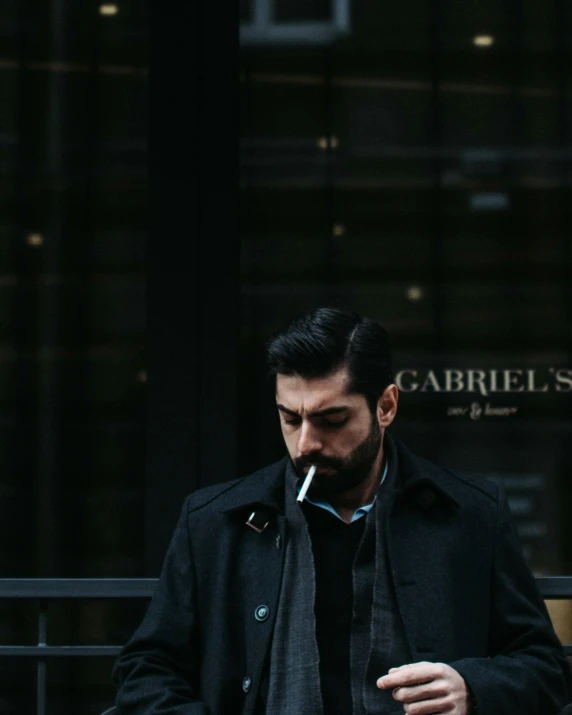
307	482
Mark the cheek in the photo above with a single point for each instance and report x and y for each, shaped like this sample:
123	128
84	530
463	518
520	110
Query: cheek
357	438
357	431
343	442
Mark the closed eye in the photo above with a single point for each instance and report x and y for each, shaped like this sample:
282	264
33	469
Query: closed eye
324	423
335	425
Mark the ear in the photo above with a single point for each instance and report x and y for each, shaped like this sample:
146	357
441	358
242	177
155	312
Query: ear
387	406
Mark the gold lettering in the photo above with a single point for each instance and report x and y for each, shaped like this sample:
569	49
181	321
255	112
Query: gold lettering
511	378
476	377
563	377
531	374
399	381
431	380
454	381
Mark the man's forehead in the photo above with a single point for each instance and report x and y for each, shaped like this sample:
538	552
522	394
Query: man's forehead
315	393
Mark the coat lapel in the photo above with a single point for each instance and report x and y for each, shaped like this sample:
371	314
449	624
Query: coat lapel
414	562
262	570
420	546
260	565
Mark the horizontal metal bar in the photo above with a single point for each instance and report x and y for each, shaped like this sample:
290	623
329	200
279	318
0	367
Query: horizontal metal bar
555	587
51	651
551	587
85	651
77	587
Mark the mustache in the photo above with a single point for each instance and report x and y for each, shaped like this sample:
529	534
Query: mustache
319	461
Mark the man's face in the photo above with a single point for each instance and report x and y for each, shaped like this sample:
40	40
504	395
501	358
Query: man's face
323	424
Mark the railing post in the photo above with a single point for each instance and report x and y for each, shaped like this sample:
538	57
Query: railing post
41	665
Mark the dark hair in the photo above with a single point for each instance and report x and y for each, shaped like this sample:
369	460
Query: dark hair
322	341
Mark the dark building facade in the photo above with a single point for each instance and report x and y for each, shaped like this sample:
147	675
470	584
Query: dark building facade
178	181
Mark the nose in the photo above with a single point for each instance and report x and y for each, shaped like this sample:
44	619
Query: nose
309	440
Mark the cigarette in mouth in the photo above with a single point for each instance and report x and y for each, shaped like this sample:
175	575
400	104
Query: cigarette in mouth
307	483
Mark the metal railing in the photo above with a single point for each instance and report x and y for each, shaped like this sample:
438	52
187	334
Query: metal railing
46	590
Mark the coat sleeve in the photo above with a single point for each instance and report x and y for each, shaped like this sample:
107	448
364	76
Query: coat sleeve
158	669
527	671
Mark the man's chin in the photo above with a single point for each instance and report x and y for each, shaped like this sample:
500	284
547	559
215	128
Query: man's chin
332	484
323	484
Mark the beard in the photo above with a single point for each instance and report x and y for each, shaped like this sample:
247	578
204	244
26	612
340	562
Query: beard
346	473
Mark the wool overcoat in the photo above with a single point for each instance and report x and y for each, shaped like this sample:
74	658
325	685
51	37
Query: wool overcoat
464	592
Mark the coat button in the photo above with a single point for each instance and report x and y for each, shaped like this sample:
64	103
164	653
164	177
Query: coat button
261	613
246	684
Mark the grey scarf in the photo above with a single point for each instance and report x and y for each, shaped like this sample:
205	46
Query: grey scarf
387	645
294	687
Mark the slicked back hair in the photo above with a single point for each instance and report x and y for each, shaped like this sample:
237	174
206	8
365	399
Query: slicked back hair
325	340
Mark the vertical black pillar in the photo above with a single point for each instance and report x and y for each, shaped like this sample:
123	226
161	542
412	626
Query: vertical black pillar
436	45
192	260
50	544
562	28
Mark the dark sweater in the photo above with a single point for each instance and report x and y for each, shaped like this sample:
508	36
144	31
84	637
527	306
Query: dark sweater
334	545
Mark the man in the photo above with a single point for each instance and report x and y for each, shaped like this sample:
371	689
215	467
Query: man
394	586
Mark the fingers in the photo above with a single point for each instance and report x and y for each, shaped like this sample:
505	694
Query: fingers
427	691
442	706
413	674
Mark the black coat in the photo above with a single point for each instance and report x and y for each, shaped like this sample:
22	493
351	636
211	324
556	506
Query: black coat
465	595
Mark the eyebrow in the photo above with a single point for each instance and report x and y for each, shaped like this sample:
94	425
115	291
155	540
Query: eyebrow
319	413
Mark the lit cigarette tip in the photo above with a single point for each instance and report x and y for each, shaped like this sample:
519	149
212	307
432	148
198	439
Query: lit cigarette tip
307	482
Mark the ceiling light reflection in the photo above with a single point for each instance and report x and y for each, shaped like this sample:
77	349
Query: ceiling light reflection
108	9
483	40
34	239
414	293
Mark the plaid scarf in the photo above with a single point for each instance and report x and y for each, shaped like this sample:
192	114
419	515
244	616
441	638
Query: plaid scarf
294	659
294	687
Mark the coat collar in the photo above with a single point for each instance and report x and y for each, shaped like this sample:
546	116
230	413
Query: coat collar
416	478
419	478
264	489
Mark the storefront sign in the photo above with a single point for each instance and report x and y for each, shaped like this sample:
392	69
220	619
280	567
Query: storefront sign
485	382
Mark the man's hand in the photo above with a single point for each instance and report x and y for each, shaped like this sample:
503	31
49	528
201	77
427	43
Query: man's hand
428	689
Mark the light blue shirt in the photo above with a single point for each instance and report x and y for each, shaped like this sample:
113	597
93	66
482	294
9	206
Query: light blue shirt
362	511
